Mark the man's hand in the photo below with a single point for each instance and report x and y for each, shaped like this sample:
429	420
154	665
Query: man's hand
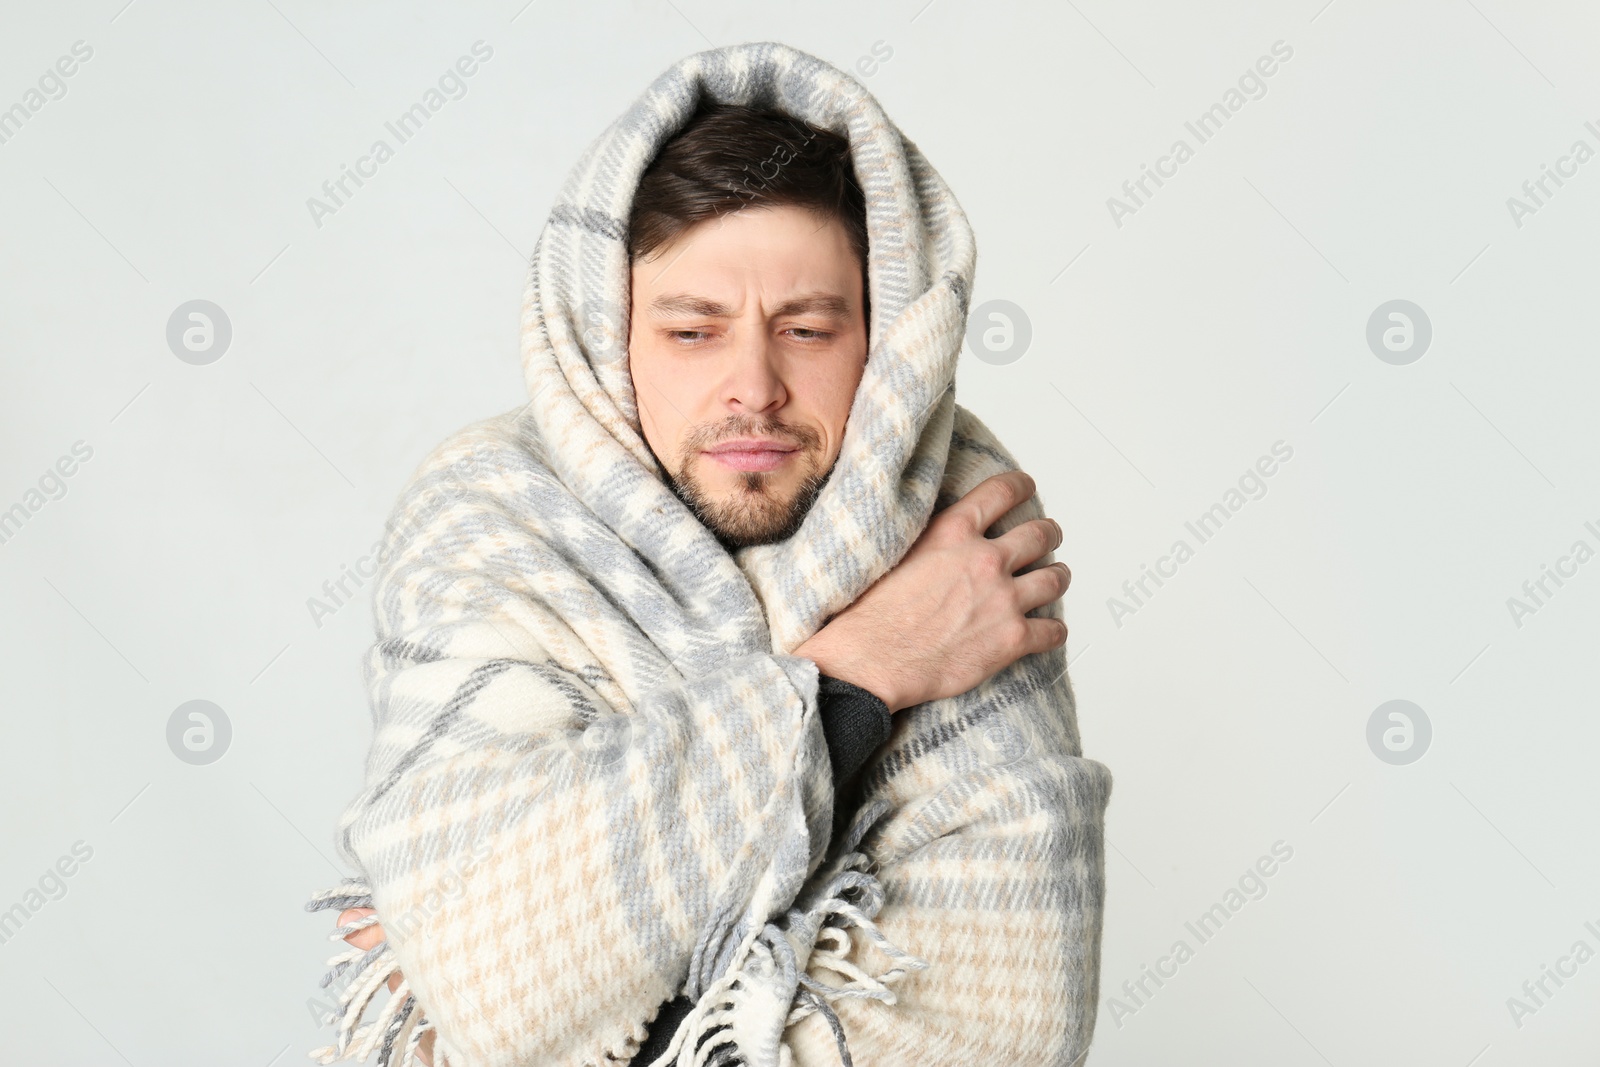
365	939
952	613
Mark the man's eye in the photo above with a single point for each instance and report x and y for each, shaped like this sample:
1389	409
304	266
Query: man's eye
687	336
811	335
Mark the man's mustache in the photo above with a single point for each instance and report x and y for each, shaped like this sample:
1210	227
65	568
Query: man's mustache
803	437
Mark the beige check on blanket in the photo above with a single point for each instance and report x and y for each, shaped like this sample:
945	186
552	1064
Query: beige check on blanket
598	778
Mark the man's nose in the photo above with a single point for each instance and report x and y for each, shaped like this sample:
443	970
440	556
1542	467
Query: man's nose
754	383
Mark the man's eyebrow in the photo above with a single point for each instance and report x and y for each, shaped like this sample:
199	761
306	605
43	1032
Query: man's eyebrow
819	304
688	304
685	304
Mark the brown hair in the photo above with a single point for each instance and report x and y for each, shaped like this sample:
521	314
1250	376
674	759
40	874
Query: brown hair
728	157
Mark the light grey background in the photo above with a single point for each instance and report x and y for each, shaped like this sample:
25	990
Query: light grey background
1227	313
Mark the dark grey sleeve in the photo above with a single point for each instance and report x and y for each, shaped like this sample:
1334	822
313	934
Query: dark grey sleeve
854	722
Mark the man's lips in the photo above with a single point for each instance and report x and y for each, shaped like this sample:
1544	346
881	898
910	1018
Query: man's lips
752	454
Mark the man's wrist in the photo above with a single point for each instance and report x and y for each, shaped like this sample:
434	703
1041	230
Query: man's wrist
836	663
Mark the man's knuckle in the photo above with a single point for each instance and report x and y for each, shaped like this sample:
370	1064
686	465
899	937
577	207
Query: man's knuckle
989	560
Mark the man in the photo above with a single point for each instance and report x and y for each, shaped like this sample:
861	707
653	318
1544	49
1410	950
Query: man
747	340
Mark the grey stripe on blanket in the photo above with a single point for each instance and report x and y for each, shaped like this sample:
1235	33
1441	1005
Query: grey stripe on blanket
599	777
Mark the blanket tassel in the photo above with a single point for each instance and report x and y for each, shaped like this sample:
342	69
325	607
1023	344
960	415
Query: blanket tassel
718	1033
397	1031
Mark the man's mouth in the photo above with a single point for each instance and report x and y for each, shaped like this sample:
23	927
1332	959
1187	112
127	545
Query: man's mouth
752	453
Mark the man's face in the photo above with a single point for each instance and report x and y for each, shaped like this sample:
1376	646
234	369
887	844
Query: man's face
747	338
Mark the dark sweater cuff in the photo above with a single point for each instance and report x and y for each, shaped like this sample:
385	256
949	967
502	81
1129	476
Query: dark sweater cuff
854	721
661	1031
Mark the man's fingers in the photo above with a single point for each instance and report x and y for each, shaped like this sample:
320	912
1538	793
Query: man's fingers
364	938
1026	543
1045	634
1041	586
992	498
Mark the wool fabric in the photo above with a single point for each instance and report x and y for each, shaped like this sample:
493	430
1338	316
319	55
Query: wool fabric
598	778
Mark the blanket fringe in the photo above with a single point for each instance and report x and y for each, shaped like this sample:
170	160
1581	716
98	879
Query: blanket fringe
767	958
833	945
766	974
397	1031
710	1020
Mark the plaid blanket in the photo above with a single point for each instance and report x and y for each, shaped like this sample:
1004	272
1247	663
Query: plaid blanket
598	779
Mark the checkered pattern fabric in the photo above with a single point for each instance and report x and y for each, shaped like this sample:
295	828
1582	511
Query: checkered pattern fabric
597	777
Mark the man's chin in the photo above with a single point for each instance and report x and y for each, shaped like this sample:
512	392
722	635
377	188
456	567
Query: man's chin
747	508
741	519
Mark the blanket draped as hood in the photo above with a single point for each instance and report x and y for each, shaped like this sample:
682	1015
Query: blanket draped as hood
598	778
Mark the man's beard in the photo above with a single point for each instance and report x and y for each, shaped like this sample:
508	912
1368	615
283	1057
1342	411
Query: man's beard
752	513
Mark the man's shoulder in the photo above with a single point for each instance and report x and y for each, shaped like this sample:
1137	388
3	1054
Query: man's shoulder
492	444
489	467
975	454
